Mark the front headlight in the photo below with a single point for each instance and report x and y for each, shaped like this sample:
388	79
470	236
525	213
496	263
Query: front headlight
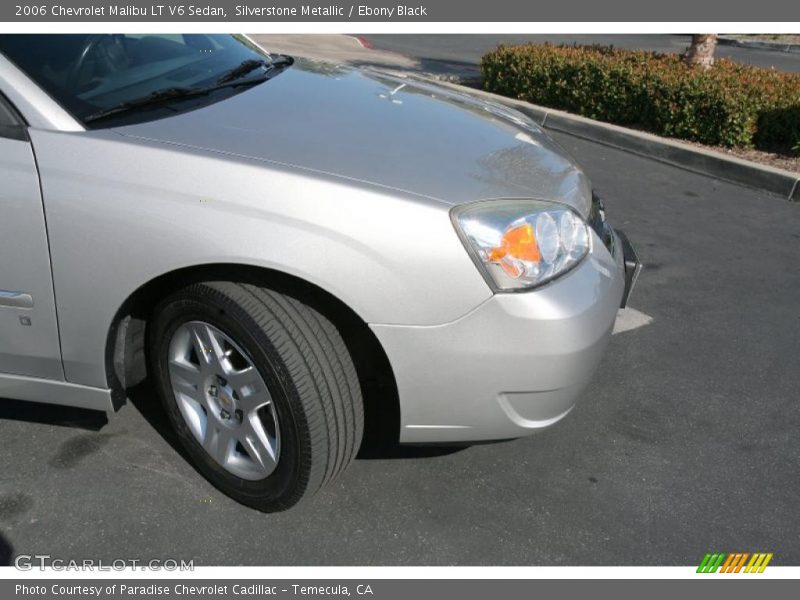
521	244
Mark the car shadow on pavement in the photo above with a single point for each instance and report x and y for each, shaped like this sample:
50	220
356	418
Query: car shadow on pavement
145	399
6	552
52	414
397	451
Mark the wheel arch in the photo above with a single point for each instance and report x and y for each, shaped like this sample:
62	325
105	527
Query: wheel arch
126	361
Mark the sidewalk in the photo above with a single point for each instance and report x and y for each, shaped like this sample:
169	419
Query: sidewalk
333	48
732	40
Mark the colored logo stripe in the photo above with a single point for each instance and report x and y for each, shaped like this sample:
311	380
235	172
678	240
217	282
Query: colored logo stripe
733	562
758	563
711	563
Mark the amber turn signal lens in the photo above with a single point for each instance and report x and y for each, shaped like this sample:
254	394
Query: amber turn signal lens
517	242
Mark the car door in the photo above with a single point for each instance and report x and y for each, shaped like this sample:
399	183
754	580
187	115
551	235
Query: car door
28	328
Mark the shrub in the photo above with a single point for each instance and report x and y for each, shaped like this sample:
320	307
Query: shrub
730	105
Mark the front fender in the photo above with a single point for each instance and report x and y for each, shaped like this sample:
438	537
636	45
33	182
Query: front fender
123	212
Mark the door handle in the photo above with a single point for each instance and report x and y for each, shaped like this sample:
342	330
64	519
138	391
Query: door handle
15	299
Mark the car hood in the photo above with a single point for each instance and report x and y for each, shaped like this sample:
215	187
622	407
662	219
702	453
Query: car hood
383	130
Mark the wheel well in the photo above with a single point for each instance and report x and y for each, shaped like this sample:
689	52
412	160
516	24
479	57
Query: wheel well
126	361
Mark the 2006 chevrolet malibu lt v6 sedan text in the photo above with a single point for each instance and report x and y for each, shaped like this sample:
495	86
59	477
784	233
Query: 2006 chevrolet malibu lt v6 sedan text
269	239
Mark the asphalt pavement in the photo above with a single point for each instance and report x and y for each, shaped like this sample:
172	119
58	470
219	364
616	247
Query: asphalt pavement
686	441
457	52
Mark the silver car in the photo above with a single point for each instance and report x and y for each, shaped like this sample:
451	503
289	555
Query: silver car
295	254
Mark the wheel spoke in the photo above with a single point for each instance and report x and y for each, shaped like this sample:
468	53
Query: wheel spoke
186	378
208	348
218	441
194	414
262	449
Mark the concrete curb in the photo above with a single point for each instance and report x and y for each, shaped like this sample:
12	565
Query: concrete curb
698	160
759	45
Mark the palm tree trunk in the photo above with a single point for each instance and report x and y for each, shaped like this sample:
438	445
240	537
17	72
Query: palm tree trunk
701	52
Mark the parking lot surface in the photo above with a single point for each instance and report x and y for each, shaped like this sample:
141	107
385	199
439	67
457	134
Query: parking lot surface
685	442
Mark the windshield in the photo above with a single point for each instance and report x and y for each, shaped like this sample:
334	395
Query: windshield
93	73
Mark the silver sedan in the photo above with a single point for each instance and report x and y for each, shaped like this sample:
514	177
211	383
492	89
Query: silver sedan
295	254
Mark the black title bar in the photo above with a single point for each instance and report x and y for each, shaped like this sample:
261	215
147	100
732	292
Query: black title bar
387	11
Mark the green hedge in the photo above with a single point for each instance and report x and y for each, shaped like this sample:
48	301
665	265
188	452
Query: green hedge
730	105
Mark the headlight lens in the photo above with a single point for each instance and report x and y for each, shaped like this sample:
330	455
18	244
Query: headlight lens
521	244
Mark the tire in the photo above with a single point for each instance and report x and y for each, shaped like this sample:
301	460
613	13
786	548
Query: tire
310	418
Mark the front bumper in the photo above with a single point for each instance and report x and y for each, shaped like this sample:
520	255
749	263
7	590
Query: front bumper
515	364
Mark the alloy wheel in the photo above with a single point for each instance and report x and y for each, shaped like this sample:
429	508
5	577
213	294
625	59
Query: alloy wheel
224	401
